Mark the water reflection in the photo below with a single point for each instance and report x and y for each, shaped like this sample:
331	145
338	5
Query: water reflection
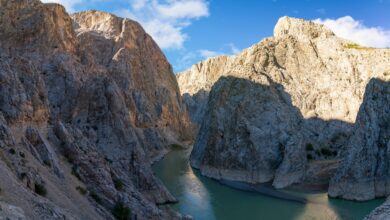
181	181
206	199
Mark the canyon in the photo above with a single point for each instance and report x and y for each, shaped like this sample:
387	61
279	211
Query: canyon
88	102
303	109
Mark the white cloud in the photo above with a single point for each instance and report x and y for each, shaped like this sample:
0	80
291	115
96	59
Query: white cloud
228	49
188	58
68	4
185	60
166	35
353	30
234	50
184	9
165	20
138	4
209	53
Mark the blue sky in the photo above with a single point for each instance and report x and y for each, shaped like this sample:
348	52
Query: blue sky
189	31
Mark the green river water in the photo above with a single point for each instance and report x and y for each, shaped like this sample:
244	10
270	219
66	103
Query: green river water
207	199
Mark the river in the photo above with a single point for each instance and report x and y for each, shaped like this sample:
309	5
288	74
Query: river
207	199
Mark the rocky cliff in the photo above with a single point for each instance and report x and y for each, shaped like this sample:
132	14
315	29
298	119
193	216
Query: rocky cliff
365	171
286	108
87	102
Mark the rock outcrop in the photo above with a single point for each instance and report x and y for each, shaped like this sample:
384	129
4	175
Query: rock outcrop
365	171
380	213
308	68
90	95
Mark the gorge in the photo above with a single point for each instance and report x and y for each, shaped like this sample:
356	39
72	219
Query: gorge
88	102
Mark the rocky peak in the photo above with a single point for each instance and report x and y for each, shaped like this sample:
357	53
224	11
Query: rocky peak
104	23
301	29
26	23
319	75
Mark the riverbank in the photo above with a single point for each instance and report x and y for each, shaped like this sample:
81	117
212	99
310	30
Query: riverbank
207	199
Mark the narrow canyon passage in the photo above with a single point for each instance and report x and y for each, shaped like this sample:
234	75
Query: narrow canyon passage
204	198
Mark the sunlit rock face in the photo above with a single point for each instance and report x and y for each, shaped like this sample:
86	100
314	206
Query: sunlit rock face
89	94
324	78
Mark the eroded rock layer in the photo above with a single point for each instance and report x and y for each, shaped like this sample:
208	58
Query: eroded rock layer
87	102
286	109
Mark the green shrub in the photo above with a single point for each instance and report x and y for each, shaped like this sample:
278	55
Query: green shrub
325	151
22	155
12	151
82	190
176	147
121	212
309	157
75	172
47	163
108	160
40	189
67	154
353	46
118	184
95	197
309	147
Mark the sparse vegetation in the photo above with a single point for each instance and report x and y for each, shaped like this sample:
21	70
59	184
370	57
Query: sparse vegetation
326	151
309	147
12	151
95	197
121	212
118	184
67	153
40	189
82	190
355	46
75	172
108	160
176	147
352	46
47	163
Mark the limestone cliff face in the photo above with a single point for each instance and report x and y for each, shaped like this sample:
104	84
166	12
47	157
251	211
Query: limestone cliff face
364	172
89	94
322	76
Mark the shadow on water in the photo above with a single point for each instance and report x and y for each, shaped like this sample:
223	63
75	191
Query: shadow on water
207	199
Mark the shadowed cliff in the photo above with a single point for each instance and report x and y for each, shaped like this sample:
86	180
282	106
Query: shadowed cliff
251	132
365	171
